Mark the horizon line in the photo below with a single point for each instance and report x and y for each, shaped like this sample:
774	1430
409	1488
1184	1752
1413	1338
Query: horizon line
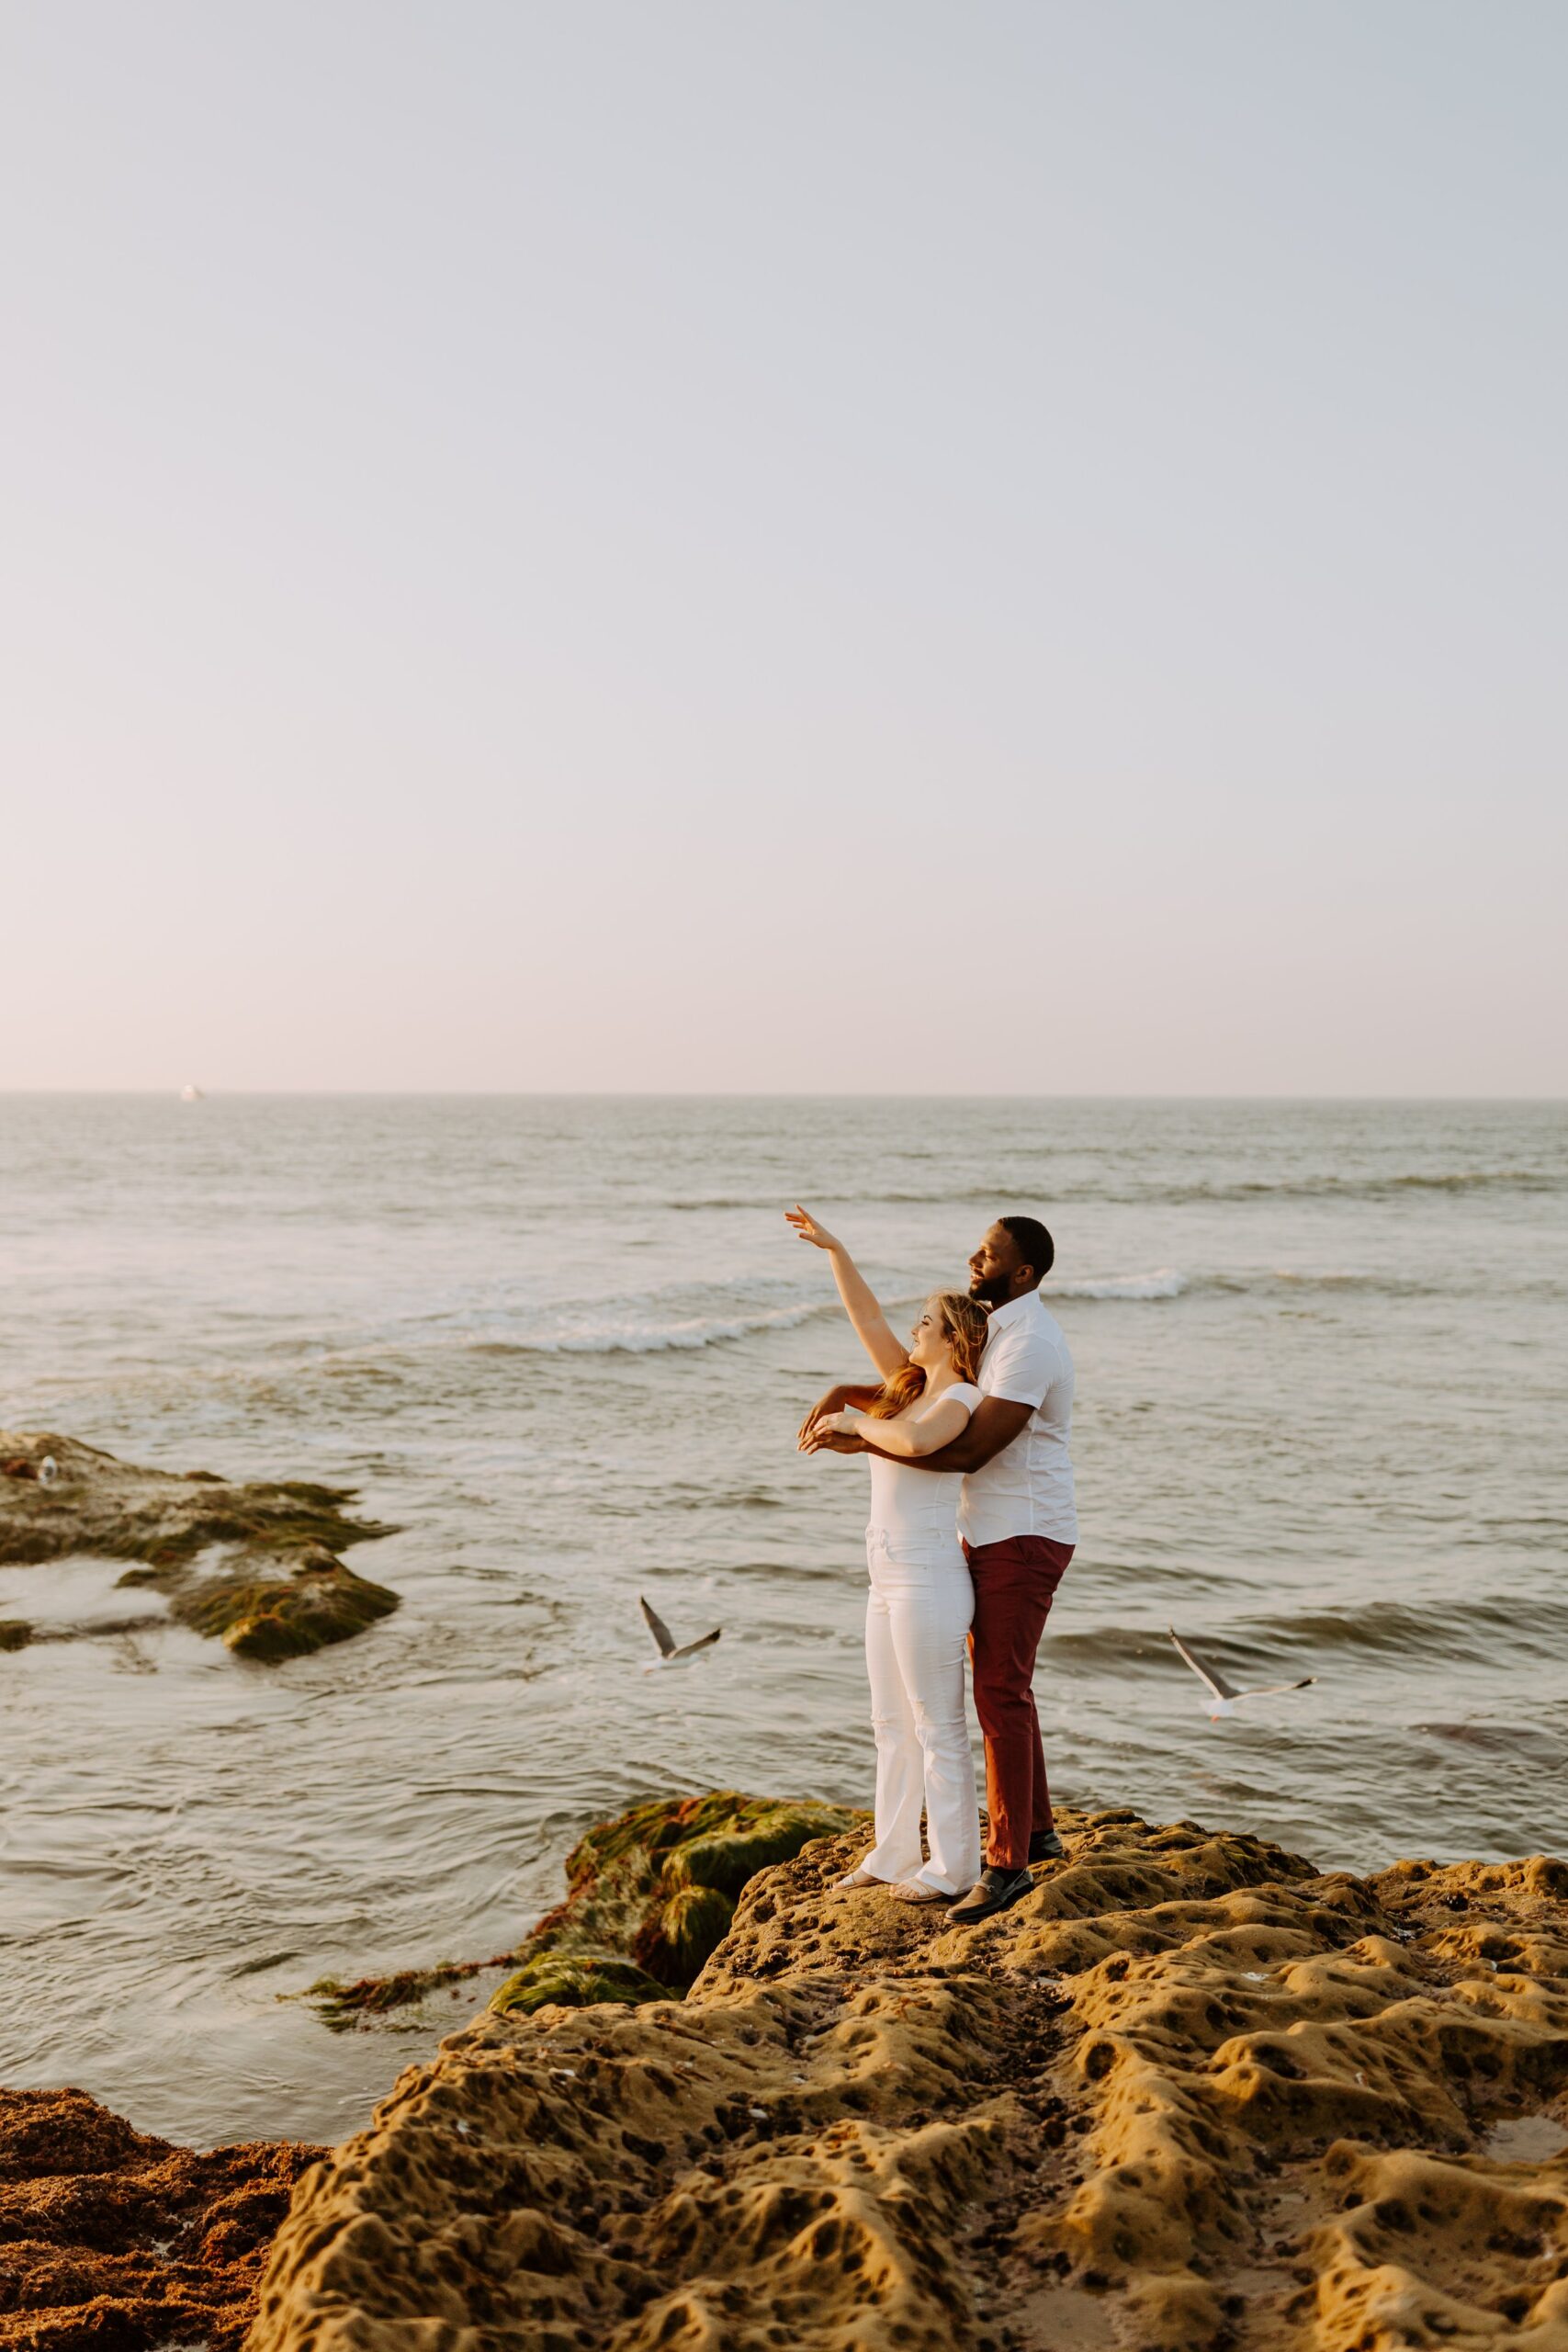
726	1094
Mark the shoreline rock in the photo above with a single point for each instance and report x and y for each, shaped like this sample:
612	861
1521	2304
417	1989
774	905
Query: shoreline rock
111	2238
269	1583
649	1895
1190	2093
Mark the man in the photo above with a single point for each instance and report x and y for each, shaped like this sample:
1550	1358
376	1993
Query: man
1019	1528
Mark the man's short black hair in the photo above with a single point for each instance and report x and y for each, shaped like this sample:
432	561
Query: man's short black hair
1035	1245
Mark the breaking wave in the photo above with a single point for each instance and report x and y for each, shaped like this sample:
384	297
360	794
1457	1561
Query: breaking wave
1165	1282
627	1331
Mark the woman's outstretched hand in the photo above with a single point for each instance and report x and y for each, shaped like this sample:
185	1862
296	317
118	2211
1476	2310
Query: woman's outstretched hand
827	1437
808	1229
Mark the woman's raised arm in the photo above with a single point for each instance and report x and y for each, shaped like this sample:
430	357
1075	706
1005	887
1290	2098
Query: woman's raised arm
872	1327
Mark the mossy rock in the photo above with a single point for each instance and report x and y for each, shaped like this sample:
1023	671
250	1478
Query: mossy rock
575	1981
14	1634
651	1897
674	1944
279	1590
341	2006
726	1858
271	1620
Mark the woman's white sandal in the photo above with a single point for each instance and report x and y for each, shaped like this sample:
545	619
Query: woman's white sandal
911	1890
857	1878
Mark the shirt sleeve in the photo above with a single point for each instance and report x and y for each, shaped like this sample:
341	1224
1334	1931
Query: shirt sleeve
1021	1365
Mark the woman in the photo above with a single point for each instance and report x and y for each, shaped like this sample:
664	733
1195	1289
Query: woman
918	1612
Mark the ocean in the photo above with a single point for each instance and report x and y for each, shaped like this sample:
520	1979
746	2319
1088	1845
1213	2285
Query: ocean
565	1345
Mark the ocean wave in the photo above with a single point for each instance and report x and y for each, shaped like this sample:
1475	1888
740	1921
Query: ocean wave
1164	1282
1482	1625
1362	1188
724	1311
640	1337
1130	1192
718	1315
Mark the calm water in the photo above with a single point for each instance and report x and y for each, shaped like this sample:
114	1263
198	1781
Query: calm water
565	1344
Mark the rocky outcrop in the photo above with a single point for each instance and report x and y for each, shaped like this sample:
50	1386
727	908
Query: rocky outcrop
109	2238
256	1565
1190	2093
649	1895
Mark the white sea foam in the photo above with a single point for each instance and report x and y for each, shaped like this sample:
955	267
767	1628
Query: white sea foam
637	1336
1164	1282
648	1327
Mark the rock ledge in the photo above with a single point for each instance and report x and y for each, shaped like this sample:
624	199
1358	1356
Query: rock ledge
1190	2093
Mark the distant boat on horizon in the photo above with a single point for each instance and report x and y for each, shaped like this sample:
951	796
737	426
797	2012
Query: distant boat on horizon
192	1094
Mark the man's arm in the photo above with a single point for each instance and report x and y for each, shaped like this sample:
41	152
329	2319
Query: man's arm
994	1423
834	1402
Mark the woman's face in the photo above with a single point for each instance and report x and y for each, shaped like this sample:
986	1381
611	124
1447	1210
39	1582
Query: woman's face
929	1344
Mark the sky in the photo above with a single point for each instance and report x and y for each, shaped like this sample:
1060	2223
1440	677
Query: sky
805	545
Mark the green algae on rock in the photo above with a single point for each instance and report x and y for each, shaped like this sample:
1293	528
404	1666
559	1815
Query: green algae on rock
658	1885
254	1565
575	1981
322	1602
650	1896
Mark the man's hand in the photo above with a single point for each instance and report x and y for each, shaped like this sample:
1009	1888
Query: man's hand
834	1402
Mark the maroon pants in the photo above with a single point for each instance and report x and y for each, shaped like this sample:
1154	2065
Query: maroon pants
1015	1584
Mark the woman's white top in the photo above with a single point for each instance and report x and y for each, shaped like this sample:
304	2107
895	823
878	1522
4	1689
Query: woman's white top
908	1500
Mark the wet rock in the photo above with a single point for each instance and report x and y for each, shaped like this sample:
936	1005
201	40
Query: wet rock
324	1601
111	2238
254	1565
1190	2093
573	1983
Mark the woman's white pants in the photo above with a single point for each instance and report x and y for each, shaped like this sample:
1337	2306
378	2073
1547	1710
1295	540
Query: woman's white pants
916	1615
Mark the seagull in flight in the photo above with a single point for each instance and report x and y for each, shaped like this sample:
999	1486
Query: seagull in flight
1222	1696
670	1653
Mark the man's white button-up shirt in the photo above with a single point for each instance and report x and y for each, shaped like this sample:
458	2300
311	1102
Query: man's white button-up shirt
1027	1488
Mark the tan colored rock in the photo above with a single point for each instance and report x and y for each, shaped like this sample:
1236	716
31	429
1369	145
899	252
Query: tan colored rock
1190	2093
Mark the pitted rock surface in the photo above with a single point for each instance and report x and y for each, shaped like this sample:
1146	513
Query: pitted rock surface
1189	2093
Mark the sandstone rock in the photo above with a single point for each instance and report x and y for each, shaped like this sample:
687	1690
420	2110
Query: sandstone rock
109	2238
1190	2093
269	1583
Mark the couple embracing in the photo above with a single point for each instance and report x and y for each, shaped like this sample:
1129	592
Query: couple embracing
971	1525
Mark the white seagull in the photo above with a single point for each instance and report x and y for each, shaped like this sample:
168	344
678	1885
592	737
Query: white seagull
670	1653
1221	1695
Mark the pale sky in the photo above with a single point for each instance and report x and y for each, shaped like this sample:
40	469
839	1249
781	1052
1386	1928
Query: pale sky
785	544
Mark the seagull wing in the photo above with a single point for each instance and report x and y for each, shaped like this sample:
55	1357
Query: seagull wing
688	1649
1216	1681
1275	1689
656	1625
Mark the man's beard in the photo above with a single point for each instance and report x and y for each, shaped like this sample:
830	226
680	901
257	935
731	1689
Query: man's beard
991	1290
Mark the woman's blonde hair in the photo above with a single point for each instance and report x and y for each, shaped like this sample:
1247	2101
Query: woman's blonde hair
962	1327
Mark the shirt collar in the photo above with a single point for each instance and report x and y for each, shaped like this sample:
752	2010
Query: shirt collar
1003	1317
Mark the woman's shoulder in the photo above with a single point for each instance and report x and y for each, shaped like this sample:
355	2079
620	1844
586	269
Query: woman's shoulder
963	1392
